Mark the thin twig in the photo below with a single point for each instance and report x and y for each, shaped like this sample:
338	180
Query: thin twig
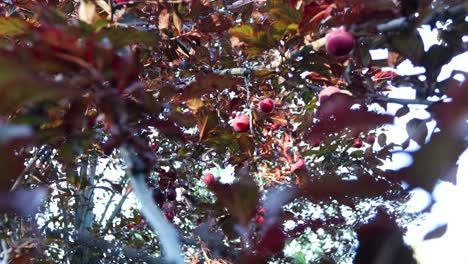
246	83
27	168
316	45
376	97
109	202
116	210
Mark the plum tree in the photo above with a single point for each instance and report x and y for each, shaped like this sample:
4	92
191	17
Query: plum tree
111	112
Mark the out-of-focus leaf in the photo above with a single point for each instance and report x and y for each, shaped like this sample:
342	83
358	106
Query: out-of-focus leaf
169	129
442	152
393	59
20	85
177	22
331	185
402	111
121	37
164	19
240	198
336	114
436	232
451	175
12	138
376	11
22	201
12	26
405	143
130	19
104	5
377	236
206	83
12	132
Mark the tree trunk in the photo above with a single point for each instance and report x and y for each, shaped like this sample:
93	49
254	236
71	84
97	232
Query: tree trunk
84	217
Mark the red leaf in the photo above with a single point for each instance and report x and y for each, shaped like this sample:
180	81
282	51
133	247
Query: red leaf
215	23
384	75
313	14
336	114
443	151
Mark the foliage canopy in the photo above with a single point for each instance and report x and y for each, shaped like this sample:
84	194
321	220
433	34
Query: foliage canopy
154	87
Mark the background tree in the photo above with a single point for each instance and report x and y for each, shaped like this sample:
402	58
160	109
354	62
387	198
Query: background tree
282	94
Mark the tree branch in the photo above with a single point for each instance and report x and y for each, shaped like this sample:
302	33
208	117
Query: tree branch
401	101
109	202
168	235
316	45
116	210
27	168
5	252
378	97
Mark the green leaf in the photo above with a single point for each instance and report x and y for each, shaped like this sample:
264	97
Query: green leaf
207	120
299	258
12	26
258	38
121	37
282	11
357	153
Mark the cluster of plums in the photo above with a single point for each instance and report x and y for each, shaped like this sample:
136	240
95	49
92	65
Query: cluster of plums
241	123
165	193
338	43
